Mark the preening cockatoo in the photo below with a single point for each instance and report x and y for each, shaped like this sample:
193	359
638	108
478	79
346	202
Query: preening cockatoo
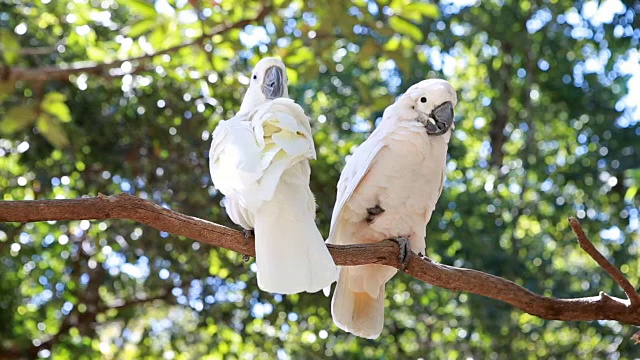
388	190
259	160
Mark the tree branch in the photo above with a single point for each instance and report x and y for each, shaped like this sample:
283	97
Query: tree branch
613	271
62	72
125	206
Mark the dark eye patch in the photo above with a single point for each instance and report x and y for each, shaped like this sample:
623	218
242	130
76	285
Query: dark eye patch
423	99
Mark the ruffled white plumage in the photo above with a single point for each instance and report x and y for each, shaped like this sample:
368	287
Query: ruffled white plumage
260	161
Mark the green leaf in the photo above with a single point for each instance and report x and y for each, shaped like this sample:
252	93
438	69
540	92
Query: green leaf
393	43
51	128
405	27
17	118
157	37
143	8
54	104
292	75
631	194
426	9
54	96
224	50
9	47
142	27
299	56
410	14
96	53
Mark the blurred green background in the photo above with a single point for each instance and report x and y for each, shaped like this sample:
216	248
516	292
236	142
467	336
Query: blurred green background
547	127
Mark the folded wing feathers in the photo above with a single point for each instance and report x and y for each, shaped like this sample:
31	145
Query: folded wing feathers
283	123
234	159
281	137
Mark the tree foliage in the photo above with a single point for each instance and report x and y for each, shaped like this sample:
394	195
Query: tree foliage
544	130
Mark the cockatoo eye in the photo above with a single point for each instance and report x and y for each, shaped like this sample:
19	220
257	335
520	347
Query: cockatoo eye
255	77
423	99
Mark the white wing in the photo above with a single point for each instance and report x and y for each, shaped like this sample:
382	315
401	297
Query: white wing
354	171
234	157
283	125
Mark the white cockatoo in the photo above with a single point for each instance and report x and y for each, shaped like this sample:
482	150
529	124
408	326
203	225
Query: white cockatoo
388	190
259	160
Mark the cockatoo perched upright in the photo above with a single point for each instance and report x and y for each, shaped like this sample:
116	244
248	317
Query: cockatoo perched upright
259	160
388	190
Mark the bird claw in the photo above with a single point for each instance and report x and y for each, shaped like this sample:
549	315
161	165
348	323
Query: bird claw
405	251
248	234
425	257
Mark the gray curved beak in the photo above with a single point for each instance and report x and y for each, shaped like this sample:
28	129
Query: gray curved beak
273	85
440	120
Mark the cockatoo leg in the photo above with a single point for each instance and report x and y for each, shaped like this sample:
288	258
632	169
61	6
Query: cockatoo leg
405	251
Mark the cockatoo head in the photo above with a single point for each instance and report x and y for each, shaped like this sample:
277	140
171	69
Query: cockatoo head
268	81
433	101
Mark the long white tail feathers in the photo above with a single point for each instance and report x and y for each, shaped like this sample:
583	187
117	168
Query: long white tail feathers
291	255
357	312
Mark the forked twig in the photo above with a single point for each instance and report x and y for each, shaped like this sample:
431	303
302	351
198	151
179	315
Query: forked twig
613	271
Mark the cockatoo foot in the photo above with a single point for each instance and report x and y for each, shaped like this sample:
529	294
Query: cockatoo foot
405	251
424	257
248	234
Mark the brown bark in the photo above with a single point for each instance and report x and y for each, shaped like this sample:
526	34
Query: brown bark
124	206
